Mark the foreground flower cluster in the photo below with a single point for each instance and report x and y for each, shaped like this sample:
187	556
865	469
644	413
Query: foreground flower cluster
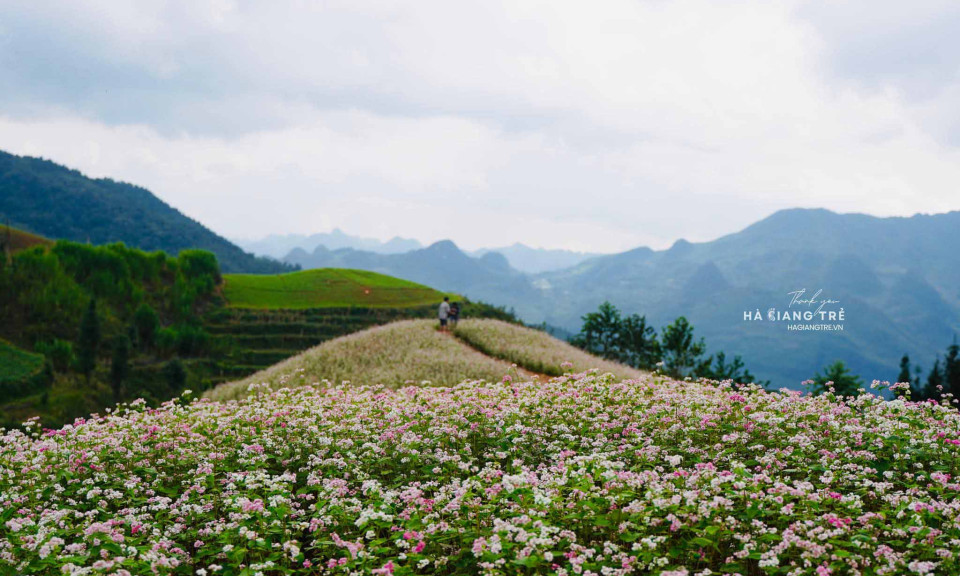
580	475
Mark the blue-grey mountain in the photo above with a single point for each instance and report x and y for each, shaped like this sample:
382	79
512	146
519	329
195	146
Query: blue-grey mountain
897	279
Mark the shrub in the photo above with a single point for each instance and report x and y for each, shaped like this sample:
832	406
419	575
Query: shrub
59	353
22	373
175	375
147	323
184	339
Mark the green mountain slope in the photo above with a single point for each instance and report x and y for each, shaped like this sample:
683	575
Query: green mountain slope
45	198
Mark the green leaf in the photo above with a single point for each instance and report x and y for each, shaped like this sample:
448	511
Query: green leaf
700	541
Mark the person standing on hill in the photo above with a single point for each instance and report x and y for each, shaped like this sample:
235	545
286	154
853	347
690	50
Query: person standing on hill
444	312
454	315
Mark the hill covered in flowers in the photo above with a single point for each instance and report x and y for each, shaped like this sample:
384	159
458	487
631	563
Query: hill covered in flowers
579	475
415	351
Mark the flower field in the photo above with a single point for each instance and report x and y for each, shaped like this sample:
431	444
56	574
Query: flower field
404	352
533	349
579	475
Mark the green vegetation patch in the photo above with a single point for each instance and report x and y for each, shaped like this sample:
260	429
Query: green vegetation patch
326	288
17	364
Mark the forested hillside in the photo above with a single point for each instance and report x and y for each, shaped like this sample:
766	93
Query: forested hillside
89	326
45	198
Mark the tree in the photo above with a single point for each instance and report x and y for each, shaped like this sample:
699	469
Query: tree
638	343
600	333
682	355
951	369
719	369
119	365
147	323
626	339
934	389
59	353
906	376
175	375
88	344
839	377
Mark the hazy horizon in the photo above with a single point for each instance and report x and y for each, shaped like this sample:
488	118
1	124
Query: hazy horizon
361	235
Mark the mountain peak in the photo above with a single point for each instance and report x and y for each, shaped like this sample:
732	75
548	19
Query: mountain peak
444	246
680	247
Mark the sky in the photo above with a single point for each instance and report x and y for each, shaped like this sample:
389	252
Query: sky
596	126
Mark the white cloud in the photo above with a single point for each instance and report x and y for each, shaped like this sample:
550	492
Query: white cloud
594	127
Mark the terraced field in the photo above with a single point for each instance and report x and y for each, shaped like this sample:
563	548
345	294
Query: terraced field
326	288
253	340
268	319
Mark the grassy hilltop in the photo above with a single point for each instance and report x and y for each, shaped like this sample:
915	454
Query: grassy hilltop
326	288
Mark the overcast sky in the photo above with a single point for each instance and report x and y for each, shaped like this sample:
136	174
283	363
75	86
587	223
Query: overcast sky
587	125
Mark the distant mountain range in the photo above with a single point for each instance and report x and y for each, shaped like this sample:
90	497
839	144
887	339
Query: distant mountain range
291	247
279	246
45	198
897	280
536	260
440	264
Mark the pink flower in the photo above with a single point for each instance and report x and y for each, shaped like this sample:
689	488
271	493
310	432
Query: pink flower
479	545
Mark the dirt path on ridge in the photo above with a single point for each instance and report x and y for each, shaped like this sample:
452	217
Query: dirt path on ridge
526	373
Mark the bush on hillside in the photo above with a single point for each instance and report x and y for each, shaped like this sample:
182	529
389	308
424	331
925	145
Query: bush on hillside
59	353
22	373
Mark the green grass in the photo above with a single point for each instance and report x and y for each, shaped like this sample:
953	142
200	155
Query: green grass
326	288
405	352
17	364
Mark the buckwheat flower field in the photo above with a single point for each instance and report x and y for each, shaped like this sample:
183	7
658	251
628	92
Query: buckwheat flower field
579	475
